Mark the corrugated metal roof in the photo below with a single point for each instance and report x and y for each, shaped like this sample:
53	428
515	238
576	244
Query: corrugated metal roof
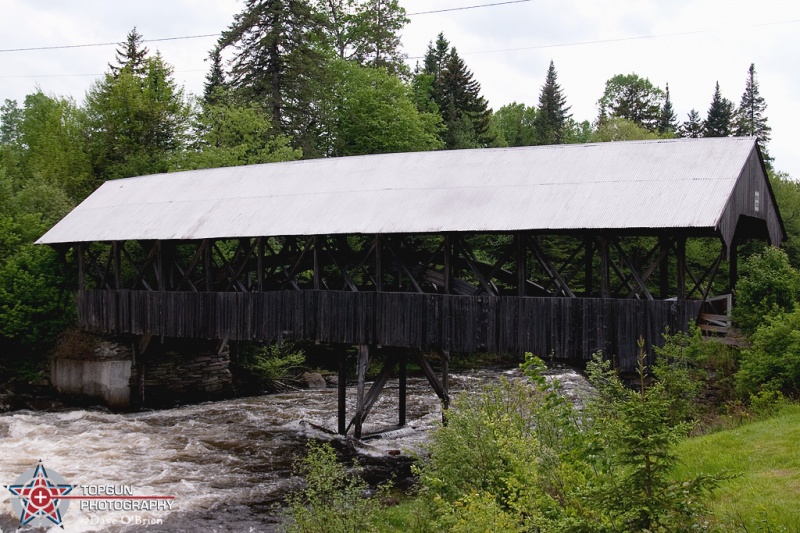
681	183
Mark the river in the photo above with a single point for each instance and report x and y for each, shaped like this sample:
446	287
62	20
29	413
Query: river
226	463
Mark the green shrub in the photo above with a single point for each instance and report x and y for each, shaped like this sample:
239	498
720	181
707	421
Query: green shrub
271	362
640	431
773	360
334	498
769	285
515	455
697	373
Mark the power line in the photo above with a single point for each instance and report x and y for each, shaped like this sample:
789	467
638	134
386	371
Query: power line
61	47
614	40
76	75
467	7
184	37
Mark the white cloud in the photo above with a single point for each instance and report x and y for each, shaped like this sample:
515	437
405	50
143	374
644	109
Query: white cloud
730	38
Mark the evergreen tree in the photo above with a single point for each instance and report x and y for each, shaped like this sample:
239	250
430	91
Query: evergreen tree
132	56
720	116
552	116
668	121
215	79
465	112
436	57
632	98
445	83
693	127
750	119
278	60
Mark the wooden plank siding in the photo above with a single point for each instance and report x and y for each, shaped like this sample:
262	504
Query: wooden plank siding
742	203
569	329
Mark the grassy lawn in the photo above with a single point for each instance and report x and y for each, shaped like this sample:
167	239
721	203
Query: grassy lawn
766	455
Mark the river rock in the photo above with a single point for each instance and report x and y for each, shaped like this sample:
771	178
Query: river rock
314	380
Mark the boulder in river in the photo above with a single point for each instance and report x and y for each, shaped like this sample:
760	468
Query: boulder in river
314	380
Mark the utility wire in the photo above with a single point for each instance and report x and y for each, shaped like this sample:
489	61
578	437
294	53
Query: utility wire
62	47
467	7
184	37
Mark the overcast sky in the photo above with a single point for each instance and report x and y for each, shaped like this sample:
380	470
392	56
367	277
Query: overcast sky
688	44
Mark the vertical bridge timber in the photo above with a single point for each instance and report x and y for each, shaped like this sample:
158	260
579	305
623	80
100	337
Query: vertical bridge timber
451	293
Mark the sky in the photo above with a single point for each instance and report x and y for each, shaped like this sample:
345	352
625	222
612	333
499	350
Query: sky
690	45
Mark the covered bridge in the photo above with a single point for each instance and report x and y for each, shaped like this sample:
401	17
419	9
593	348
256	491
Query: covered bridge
561	250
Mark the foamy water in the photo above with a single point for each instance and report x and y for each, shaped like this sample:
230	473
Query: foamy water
224	462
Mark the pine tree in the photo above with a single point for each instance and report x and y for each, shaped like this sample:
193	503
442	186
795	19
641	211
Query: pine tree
215	79
692	128
278	61
132	56
465	112
668	122
750	119
720	116
436	56
552	115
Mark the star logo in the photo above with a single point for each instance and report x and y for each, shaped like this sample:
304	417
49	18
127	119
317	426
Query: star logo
38	495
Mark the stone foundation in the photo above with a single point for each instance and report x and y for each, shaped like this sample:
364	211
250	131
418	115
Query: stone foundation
142	372
180	371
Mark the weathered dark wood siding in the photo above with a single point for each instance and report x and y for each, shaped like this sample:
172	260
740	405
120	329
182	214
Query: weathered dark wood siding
752	180
570	329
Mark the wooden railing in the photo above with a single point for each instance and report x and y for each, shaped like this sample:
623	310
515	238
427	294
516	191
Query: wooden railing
570	329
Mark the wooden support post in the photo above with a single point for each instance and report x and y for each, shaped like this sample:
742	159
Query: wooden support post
522	275
682	267
431	376
260	264
161	267
316	263
663	267
733	266
80	251
401	409
588	260
605	281
207	262
378	264
363	363
342	386
117	264
445	382
448	266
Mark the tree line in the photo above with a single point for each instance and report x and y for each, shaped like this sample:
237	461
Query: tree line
287	79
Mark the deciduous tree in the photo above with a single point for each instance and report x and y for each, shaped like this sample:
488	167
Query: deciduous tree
366	31
632	98
515	123
136	125
369	111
